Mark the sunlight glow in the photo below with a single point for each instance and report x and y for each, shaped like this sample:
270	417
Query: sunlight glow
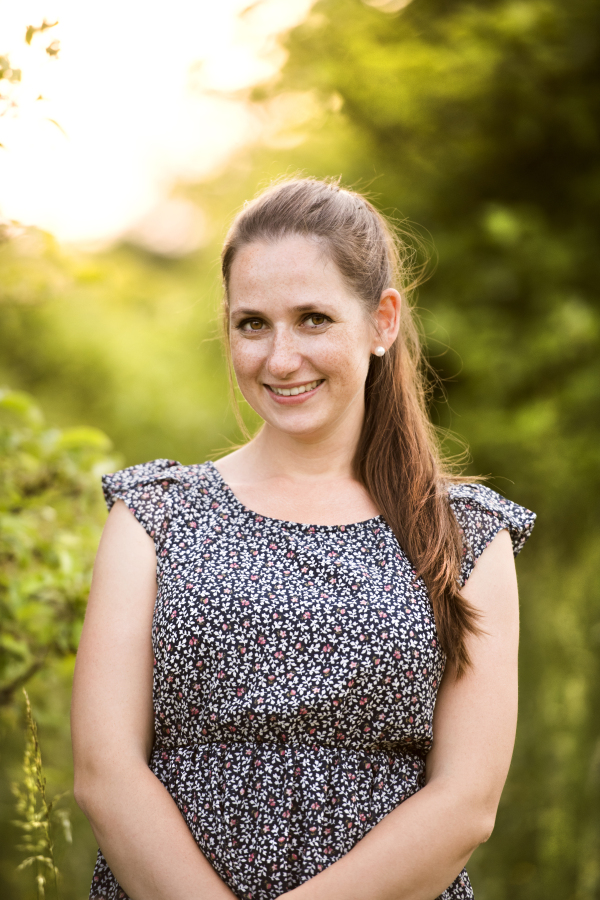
144	95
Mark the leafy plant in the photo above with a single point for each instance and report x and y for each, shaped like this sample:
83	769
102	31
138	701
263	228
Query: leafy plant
38	817
50	518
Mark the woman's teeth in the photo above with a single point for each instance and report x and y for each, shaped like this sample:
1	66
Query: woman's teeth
291	392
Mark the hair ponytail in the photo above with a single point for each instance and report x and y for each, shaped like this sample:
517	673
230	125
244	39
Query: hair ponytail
398	457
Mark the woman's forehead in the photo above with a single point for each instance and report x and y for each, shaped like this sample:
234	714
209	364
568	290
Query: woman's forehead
295	267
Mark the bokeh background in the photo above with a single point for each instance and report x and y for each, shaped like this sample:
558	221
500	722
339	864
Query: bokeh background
478	121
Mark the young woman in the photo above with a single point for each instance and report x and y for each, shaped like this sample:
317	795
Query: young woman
298	671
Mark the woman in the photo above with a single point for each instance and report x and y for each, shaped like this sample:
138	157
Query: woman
299	602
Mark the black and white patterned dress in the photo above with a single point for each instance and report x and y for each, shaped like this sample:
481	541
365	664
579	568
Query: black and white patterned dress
296	672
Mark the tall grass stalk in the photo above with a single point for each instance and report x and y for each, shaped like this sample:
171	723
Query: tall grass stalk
36	816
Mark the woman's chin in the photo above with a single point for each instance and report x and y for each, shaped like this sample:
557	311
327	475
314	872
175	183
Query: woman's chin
297	423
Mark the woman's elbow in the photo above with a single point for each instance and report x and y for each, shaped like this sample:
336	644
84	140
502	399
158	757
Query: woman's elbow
476	821
484	826
87	786
82	793
481	811
92	783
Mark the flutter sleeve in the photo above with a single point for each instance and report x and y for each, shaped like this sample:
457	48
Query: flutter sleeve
145	490
481	513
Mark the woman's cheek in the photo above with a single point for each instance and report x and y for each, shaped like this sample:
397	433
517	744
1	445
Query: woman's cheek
246	358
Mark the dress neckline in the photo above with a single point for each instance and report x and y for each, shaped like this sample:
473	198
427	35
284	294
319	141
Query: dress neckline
374	521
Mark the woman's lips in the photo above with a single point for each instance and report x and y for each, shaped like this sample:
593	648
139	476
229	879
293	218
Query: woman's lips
291	399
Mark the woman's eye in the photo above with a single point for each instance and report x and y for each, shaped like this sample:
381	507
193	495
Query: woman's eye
316	320
251	325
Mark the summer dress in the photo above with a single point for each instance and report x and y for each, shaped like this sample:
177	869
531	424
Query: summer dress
296	673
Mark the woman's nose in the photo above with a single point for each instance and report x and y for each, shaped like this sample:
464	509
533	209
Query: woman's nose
284	358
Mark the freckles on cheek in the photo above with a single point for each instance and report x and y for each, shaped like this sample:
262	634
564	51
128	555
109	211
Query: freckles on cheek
246	359
342	358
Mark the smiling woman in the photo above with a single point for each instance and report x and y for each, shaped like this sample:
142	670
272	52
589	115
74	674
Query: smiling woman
295	324
298	676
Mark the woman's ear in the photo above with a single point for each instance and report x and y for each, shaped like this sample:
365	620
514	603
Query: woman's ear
387	316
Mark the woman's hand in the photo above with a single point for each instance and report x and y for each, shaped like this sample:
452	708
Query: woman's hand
417	851
139	828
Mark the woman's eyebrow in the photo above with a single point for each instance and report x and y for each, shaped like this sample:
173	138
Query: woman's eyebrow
302	307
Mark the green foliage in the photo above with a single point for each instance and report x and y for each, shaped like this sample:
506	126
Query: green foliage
481	122
50	515
123	341
7	72
37	816
33	30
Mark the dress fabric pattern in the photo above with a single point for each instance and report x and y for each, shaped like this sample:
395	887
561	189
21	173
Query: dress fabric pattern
296	673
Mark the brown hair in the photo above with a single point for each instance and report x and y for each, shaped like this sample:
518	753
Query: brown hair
398	457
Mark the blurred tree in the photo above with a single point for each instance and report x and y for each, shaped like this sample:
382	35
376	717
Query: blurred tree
125	340
482	122
50	517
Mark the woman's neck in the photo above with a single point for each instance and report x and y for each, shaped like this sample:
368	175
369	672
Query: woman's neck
277	454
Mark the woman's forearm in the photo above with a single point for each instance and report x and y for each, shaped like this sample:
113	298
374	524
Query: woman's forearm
145	839
414	853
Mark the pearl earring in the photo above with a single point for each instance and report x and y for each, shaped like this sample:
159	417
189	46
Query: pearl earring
379	351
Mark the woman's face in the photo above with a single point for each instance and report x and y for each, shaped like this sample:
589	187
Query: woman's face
300	340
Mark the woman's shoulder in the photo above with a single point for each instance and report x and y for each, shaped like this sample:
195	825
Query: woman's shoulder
481	513
151	490
153	472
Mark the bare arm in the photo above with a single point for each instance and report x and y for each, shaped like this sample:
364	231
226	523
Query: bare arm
139	828
417	851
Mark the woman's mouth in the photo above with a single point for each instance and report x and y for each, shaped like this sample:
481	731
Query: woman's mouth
289	394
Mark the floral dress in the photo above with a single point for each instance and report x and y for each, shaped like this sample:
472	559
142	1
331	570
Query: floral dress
296	673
